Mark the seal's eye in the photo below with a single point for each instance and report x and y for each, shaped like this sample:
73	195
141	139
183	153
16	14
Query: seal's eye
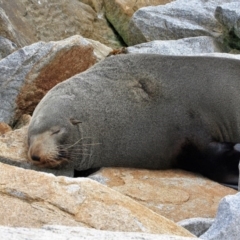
55	130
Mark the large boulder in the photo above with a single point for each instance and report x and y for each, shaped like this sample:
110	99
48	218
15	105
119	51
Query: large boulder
32	199
25	22
27	74
178	19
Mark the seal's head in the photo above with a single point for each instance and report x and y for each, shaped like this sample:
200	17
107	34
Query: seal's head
52	134
45	148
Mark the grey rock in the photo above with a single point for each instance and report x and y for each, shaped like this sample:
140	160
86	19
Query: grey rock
185	46
6	47
76	233
197	226
226	224
228	15
13	71
178	19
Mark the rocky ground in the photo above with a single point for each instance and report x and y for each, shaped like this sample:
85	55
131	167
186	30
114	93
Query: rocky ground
44	42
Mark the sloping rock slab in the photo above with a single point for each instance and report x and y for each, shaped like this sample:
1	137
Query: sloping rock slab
27	74
32	199
175	194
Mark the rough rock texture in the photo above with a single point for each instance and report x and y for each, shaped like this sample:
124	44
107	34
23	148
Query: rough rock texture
27	21
76	233
185	46
197	226
12	24
32	199
226	224
119	12
4	128
6	47
228	14
27	74
13	144
174	194
178	19
97	5
13	148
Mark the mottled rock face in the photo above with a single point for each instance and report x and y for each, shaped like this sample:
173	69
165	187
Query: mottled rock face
51	20
29	73
41	198
174	194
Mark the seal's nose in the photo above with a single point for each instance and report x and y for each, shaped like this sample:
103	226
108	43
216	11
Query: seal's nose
35	158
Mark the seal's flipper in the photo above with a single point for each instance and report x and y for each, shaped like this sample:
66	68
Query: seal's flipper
219	161
224	158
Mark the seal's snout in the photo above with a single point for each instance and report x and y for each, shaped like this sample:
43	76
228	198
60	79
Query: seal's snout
45	150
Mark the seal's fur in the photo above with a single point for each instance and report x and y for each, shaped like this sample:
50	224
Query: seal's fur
142	110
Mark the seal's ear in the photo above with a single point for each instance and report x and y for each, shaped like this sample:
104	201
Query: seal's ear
74	121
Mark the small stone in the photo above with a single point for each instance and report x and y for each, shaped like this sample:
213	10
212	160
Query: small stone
197	226
226	224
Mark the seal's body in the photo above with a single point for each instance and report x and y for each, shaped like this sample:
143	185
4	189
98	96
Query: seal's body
143	111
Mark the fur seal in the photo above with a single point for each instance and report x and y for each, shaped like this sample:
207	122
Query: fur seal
143	111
